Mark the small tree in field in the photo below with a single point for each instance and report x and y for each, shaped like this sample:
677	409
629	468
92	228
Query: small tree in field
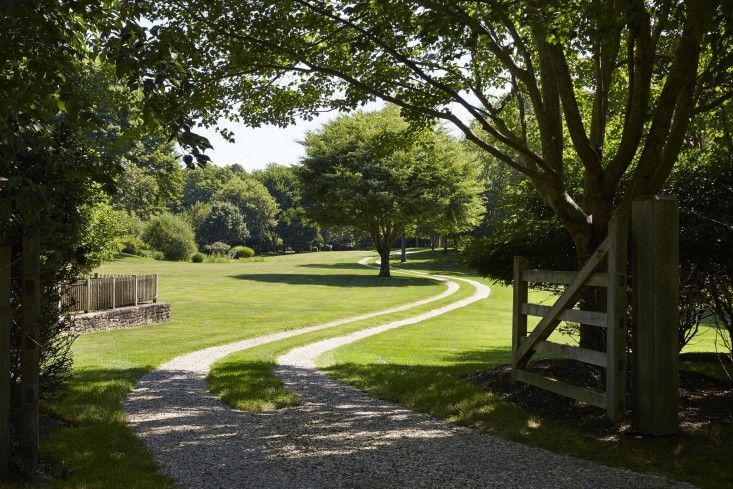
370	171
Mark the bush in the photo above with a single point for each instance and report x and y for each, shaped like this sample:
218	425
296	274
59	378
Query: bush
134	246
242	252
222	223
217	248
197	257
157	255
171	236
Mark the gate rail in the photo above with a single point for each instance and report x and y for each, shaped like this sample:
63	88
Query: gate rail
613	252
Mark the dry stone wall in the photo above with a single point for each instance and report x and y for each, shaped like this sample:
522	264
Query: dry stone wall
124	317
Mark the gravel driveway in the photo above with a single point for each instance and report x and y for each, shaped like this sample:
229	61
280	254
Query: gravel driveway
338	437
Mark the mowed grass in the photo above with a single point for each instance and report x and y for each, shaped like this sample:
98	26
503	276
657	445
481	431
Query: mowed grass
212	303
425	367
246	380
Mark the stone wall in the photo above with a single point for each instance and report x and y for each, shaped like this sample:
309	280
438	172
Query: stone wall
124	317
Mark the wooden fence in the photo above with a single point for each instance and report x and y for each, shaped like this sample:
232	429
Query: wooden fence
102	292
613	251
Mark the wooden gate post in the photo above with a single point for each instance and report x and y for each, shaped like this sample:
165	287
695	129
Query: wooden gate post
655	272
30	345
616	318
519	320
5	324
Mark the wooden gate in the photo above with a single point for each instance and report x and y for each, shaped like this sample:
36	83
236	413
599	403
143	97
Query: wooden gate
613	253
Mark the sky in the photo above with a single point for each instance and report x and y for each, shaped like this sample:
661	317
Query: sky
256	147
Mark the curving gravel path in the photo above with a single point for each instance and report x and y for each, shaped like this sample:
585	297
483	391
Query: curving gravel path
338	437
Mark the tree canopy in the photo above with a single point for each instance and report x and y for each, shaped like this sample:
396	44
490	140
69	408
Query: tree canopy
620	79
371	171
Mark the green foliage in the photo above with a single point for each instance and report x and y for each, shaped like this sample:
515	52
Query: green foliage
104	233
217	258
283	184
522	225
256	205
201	184
217	248
297	231
224	223
152	181
197	257
372	172
171	236
242	252
134	246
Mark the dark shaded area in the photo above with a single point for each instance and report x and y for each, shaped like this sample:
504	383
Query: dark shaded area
334	280
703	400
334	266
455	392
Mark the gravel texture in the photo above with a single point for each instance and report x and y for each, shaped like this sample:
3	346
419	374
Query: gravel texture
338	437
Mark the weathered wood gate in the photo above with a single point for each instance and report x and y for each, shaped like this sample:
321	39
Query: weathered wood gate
613	254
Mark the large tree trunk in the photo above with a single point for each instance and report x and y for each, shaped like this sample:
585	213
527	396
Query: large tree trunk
384	261
592	337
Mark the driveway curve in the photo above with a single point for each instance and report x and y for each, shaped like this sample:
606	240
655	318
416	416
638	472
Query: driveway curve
337	437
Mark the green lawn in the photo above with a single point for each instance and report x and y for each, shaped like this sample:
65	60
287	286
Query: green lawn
424	366
245	380
211	304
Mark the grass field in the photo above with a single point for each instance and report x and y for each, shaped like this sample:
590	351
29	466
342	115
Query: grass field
422	366
425	366
211	304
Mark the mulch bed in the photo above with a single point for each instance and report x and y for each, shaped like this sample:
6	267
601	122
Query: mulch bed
703	400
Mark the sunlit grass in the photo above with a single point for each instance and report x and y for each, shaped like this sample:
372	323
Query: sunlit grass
211	303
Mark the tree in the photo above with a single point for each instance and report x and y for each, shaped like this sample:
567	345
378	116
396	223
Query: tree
621	79
372	172
282	183
458	206
223	223
256	205
297	231
201	184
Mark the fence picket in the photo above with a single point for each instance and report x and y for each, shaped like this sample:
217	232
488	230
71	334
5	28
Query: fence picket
100	292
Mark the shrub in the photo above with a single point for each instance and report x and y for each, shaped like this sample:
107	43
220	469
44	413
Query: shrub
217	248
157	255
197	257
242	252
171	236
134	246
222	223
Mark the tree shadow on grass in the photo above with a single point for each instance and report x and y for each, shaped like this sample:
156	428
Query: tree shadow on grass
96	448
340	266
447	392
335	280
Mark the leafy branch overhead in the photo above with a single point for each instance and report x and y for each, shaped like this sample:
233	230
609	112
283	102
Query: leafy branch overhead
610	86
